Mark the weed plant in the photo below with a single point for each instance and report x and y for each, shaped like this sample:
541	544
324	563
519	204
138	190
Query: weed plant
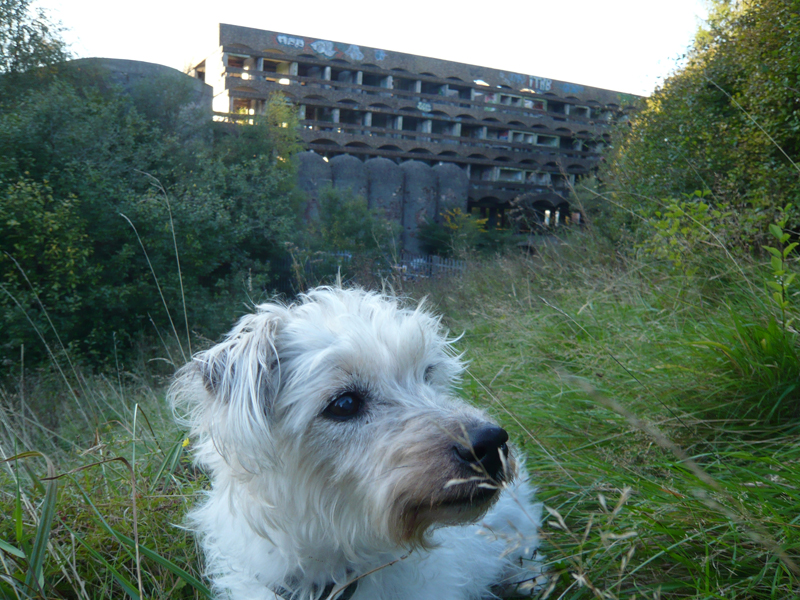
657	408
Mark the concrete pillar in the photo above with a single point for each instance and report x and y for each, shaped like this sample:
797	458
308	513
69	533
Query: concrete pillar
419	201
301	112
368	119
359	78
398	122
456	129
326	74
293	69
349	173
389	82
483	132
418	86
313	174
385	188
336	114
427	126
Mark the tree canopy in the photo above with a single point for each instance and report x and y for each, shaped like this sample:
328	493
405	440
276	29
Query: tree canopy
727	123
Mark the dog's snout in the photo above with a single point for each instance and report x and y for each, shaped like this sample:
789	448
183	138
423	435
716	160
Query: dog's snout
486	442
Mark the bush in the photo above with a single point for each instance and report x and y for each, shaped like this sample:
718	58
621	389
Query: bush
142	219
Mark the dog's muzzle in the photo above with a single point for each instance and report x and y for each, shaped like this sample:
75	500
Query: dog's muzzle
483	451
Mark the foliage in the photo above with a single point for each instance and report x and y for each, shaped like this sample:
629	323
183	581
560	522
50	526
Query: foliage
345	238
144	212
27	40
727	122
659	414
682	486
457	233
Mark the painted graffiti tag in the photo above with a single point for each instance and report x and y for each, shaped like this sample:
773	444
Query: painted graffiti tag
354	52
294	42
572	88
324	47
540	83
380	55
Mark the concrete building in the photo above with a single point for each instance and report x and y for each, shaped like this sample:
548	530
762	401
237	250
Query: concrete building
508	134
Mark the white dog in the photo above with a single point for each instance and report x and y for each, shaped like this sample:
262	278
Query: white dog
343	467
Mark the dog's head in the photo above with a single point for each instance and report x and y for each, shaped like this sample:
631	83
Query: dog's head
333	421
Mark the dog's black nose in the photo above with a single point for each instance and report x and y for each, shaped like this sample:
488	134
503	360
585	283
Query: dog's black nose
486	442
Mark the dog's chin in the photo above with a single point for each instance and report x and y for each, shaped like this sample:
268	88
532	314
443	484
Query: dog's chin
456	508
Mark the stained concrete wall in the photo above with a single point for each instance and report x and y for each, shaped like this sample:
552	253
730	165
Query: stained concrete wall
419	201
313	174
410	194
385	187
348	173
452	186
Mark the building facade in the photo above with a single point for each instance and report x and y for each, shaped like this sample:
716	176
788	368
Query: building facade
509	133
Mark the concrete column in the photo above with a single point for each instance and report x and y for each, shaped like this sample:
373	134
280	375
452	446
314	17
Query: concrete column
336	113
389	82
427	126
326	74
368	119
418	86
483	132
398	122
301	112
293	69
359	77
456	129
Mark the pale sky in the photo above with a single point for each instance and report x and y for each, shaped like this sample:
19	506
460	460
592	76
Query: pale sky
623	45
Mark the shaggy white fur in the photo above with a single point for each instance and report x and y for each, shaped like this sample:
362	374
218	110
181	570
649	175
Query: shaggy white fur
342	466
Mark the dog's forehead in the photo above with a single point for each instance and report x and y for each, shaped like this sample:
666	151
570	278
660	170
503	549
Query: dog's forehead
361	330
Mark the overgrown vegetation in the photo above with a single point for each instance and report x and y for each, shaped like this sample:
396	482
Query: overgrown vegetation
102	197
728	123
648	365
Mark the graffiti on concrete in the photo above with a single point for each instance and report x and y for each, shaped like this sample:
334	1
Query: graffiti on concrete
540	83
424	106
354	52
288	40
330	49
324	47
571	88
513	79
380	55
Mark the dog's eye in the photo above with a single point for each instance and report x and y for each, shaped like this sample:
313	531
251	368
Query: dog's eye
344	407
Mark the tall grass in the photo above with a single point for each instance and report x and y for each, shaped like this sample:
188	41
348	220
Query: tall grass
658	413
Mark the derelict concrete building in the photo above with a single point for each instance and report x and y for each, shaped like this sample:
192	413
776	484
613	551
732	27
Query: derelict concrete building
487	136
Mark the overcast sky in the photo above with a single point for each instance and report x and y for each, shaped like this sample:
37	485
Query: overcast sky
623	45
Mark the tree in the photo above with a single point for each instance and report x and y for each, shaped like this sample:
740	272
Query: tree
728	122
27	39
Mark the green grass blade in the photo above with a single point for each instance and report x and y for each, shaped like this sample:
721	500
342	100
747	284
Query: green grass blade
167	564
12	550
126	585
170	462
39	551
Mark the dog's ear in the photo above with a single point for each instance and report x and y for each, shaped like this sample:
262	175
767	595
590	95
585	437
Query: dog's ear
243	369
